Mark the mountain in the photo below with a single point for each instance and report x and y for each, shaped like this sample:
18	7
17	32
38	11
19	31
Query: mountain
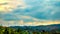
39	28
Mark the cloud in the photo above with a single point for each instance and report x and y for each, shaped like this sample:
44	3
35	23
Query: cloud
39	10
22	23
36	12
11	4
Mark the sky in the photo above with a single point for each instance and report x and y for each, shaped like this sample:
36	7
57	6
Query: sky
29	12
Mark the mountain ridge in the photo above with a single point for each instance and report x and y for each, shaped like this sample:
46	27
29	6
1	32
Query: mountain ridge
39	28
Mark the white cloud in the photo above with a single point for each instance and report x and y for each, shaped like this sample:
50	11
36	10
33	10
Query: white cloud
12	4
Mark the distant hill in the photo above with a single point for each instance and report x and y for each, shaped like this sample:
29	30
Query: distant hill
39	28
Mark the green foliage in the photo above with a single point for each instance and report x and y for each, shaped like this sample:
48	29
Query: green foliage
7	30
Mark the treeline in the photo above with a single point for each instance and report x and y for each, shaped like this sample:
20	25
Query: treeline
8	30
